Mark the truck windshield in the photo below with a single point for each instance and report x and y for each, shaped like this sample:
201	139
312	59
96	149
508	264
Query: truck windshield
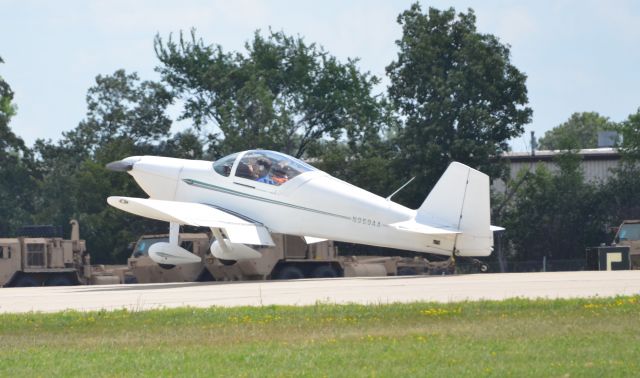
630	231
142	248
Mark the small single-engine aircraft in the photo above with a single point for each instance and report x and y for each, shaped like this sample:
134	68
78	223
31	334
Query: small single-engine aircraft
246	196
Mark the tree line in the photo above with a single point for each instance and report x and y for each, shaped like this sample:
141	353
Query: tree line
453	96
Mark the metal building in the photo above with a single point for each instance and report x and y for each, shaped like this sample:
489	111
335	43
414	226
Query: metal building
596	163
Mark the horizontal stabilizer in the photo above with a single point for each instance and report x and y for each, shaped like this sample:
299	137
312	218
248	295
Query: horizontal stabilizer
312	240
195	214
413	226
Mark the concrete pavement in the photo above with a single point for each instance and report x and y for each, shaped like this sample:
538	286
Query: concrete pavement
364	290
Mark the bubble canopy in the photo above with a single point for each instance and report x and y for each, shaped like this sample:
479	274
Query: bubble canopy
269	167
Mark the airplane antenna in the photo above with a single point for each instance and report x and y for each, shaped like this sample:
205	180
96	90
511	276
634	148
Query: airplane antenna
400	188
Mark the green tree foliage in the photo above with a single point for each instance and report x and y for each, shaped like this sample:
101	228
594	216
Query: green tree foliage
17	183
555	214
620	195
125	117
459	96
579	131
630	131
283	94
121	106
7	110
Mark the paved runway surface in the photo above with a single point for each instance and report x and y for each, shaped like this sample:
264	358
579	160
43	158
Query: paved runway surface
306	292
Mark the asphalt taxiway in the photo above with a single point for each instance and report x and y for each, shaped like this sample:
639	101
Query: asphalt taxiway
364	290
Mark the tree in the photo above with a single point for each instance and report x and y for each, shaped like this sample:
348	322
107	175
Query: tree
579	131
620	195
556	215
458	94
17	183
630	130
125	117
121	106
10	144
283	94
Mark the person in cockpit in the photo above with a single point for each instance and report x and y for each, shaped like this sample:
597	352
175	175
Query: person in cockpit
264	168
279	175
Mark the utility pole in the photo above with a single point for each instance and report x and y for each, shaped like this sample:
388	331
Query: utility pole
534	144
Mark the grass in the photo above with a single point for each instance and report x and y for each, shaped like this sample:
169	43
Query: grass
545	338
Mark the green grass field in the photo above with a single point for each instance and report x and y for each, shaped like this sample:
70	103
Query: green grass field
546	338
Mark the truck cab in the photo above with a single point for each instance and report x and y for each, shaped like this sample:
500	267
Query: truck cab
628	235
146	270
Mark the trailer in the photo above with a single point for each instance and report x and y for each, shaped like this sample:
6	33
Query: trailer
290	258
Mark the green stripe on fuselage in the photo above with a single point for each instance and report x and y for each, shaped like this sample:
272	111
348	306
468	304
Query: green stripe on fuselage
220	189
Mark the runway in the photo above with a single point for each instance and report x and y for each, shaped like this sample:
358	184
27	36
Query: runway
365	290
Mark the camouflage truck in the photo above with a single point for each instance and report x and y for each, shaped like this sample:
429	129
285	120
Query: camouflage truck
628	235
290	258
40	257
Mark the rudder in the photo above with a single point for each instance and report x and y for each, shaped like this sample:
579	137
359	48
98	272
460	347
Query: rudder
461	200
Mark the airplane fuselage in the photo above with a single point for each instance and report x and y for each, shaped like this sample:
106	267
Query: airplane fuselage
312	204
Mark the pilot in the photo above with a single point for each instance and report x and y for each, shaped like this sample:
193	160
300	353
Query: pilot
264	166
279	176
246	171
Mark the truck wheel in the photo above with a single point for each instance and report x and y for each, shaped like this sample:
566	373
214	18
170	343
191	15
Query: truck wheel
27	281
289	272
324	271
58	281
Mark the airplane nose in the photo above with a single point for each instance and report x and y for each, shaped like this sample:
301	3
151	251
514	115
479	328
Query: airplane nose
124	165
157	176
120	166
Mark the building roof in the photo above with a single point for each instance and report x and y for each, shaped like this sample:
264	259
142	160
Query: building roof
548	155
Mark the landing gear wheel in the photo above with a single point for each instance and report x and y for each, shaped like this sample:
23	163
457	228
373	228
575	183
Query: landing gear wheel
58	281
324	271
484	268
227	262
26	281
166	266
289	273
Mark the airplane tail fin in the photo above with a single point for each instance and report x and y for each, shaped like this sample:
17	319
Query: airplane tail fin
460	201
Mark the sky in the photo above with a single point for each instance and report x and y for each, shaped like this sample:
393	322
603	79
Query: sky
578	55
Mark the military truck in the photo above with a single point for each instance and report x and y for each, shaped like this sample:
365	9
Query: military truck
146	270
628	235
290	258
39	256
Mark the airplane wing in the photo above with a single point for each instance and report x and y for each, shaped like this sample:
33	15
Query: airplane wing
413	226
237	229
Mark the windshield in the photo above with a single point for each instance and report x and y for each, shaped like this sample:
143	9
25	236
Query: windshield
142	248
630	231
270	167
223	165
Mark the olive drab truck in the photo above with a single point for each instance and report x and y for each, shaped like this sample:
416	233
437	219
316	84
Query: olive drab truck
40	257
628	235
290	258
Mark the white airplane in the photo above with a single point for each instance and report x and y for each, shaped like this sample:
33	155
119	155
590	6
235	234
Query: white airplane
246	196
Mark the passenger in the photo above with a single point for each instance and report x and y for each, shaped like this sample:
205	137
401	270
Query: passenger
279	176
264	166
